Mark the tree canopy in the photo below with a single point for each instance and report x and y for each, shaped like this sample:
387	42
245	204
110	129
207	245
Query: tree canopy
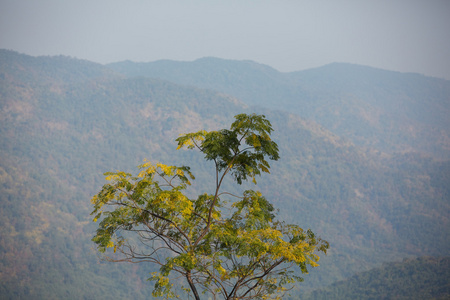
226	245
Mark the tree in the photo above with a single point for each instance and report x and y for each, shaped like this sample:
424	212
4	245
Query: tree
234	250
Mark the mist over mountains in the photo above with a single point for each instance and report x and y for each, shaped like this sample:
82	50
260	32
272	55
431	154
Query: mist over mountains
364	159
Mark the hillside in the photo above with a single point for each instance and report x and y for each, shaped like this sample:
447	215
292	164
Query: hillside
63	122
56	142
389	111
422	278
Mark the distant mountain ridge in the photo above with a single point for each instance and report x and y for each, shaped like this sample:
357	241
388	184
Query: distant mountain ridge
63	122
391	111
67	69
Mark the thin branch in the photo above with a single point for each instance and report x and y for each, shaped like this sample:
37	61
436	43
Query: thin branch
230	194
158	217
259	278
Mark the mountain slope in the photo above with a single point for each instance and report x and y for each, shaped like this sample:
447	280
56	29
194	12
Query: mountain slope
422	278
61	130
390	111
55	144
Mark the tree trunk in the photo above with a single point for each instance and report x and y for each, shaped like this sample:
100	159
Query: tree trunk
191	284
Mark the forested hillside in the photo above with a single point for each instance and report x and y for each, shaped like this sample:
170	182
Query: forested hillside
422	278
386	110
65	121
58	138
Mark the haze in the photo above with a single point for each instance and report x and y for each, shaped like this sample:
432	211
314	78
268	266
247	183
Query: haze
404	35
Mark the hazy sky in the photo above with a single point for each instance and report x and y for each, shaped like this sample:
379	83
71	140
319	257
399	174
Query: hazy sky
401	35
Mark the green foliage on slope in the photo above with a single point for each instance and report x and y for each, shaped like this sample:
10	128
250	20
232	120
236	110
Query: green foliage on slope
420	278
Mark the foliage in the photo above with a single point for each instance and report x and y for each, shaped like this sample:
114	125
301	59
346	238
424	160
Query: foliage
236	250
419	278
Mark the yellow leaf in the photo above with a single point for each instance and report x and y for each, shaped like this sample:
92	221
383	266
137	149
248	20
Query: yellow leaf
94	199
256	142
221	270
168	170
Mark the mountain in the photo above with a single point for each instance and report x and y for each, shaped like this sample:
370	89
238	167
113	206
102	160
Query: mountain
58	136
64	122
421	278
389	111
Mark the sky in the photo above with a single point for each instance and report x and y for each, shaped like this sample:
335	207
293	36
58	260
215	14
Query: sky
288	35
